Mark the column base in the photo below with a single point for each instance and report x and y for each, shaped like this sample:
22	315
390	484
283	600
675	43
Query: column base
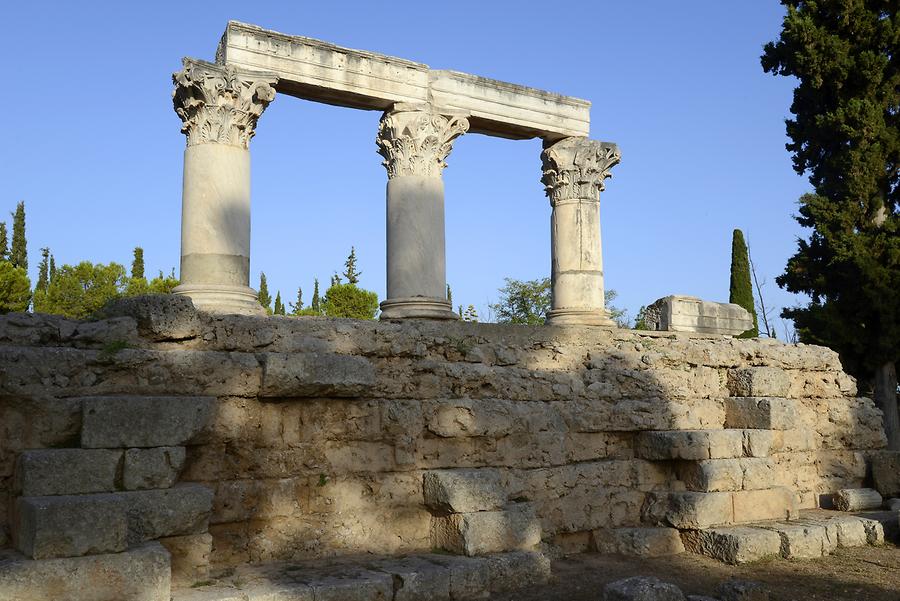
421	307
579	317
222	299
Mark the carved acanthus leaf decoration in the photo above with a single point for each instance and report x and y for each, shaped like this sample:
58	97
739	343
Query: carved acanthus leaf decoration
220	104
576	168
417	141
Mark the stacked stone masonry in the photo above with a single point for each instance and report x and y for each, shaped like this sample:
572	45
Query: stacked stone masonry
238	439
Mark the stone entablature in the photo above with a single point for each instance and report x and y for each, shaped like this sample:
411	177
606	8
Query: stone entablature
317	70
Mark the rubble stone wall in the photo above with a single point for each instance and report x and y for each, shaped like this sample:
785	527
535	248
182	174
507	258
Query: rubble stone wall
315	435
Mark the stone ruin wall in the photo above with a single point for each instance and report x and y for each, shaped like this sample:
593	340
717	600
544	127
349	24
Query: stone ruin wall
314	435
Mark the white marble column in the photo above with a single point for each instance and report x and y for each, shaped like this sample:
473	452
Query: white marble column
415	140
219	106
574	170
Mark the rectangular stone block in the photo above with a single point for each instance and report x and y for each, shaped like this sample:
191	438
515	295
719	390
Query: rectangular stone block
463	490
152	468
777	503
692	510
692	445
70	526
734	545
762	413
886	473
66	471
760	443
801	541
316	375
638	542
758	382
140	574
470	577
517	570
152	514
190	557
416	578
130	421
678	313
479	533
711	475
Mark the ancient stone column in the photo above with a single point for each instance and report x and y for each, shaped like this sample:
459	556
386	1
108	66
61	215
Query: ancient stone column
219	106
574	170
415	140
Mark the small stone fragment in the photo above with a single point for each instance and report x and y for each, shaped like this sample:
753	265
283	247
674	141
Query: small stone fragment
741	590
641	588
857	499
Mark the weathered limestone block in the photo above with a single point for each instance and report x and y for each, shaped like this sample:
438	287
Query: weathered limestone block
190	557
177	511
886	473
129	421
470	578
152	468
35	423
640	542
517	570
758	382
776	503
734	545
678	313
357	585
690	445
316	375
140	574
857	499
763	413
740	590
463	491
759	443
717	475
801	540
241	500
693	510
159	317
642	588
417	578
759	473
478	533
70	526
67	471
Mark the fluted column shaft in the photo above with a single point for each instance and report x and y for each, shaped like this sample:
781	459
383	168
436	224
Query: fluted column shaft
574	170
219	106
415	140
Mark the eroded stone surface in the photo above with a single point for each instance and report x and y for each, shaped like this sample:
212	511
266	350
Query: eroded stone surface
67	471
641	588
131	421
152	468
734	545
70	526
482	532
461	491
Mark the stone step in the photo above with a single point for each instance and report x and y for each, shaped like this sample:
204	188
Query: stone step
637	542
67	471
113	422
141	574
513	528
426	577
813	534
723	475
700	510
74	525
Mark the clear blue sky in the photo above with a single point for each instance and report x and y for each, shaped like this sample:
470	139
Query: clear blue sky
93	145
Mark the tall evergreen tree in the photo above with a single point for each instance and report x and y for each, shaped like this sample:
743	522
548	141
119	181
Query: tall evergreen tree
449	295
351	273
741	290
844	135
298	306
279	306
263	296
137	265
316	304
18	253
52	270
4	242
43	271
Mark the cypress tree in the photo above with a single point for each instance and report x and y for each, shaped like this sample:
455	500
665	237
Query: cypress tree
263	295
279	306
298	306
137	265
4	242
52	269
43	271
449	295
741	290
316	299
351	273
18	254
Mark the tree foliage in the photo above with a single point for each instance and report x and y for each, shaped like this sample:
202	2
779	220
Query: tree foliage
348	300
80	290
43	271
15	288
4	242
350	271
845	134
316	304
18	252
279	306
740	291
263	296
523	302
137	264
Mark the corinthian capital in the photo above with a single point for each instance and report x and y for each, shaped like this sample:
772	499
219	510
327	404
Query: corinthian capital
575	168
415	139
219	103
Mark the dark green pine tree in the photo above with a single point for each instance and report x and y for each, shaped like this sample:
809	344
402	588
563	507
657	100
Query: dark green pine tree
137	265
298	306
263	296
43	271
351	273
279	306
4	242
449	296
316	304
741	290
843	54
52	270
18	253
